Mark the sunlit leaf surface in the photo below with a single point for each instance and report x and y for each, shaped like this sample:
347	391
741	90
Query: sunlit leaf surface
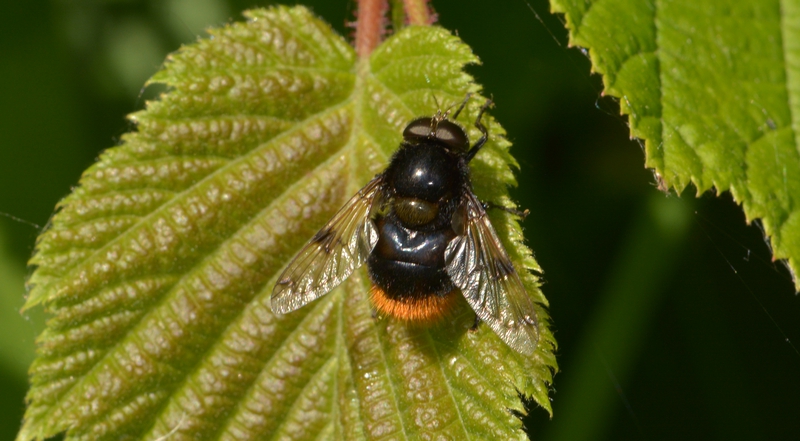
157	270
713	87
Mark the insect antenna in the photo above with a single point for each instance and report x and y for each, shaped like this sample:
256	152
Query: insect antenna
436	100
436	118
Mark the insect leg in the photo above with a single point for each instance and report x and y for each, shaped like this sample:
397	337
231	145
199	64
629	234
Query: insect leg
463	104
484	133
523	214
475	325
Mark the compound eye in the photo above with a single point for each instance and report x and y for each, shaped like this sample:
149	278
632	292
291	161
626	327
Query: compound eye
418	129
452	135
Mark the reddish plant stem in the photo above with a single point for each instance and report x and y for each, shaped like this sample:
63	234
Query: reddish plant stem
418	12
370	25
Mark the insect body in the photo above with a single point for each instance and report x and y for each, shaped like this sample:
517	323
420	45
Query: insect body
425	237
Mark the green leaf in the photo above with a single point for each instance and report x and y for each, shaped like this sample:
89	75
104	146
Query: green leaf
713	87
157	270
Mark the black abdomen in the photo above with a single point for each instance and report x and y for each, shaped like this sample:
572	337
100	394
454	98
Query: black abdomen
409	264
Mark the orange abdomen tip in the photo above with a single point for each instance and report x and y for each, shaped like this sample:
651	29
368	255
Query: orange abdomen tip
423	309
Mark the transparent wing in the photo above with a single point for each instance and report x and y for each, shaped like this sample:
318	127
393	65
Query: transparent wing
341	246
478	264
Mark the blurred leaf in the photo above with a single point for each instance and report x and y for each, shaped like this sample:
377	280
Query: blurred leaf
619	329
19	332
133	51
16	348
713	87
187	18
157	270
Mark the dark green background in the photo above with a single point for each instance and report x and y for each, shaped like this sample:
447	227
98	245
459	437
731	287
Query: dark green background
671	318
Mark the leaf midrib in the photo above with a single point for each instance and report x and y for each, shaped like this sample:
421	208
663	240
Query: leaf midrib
446	378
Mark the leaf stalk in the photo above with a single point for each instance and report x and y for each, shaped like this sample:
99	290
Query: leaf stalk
370	25
419	13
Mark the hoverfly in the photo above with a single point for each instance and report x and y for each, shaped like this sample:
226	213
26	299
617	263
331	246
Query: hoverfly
425	238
